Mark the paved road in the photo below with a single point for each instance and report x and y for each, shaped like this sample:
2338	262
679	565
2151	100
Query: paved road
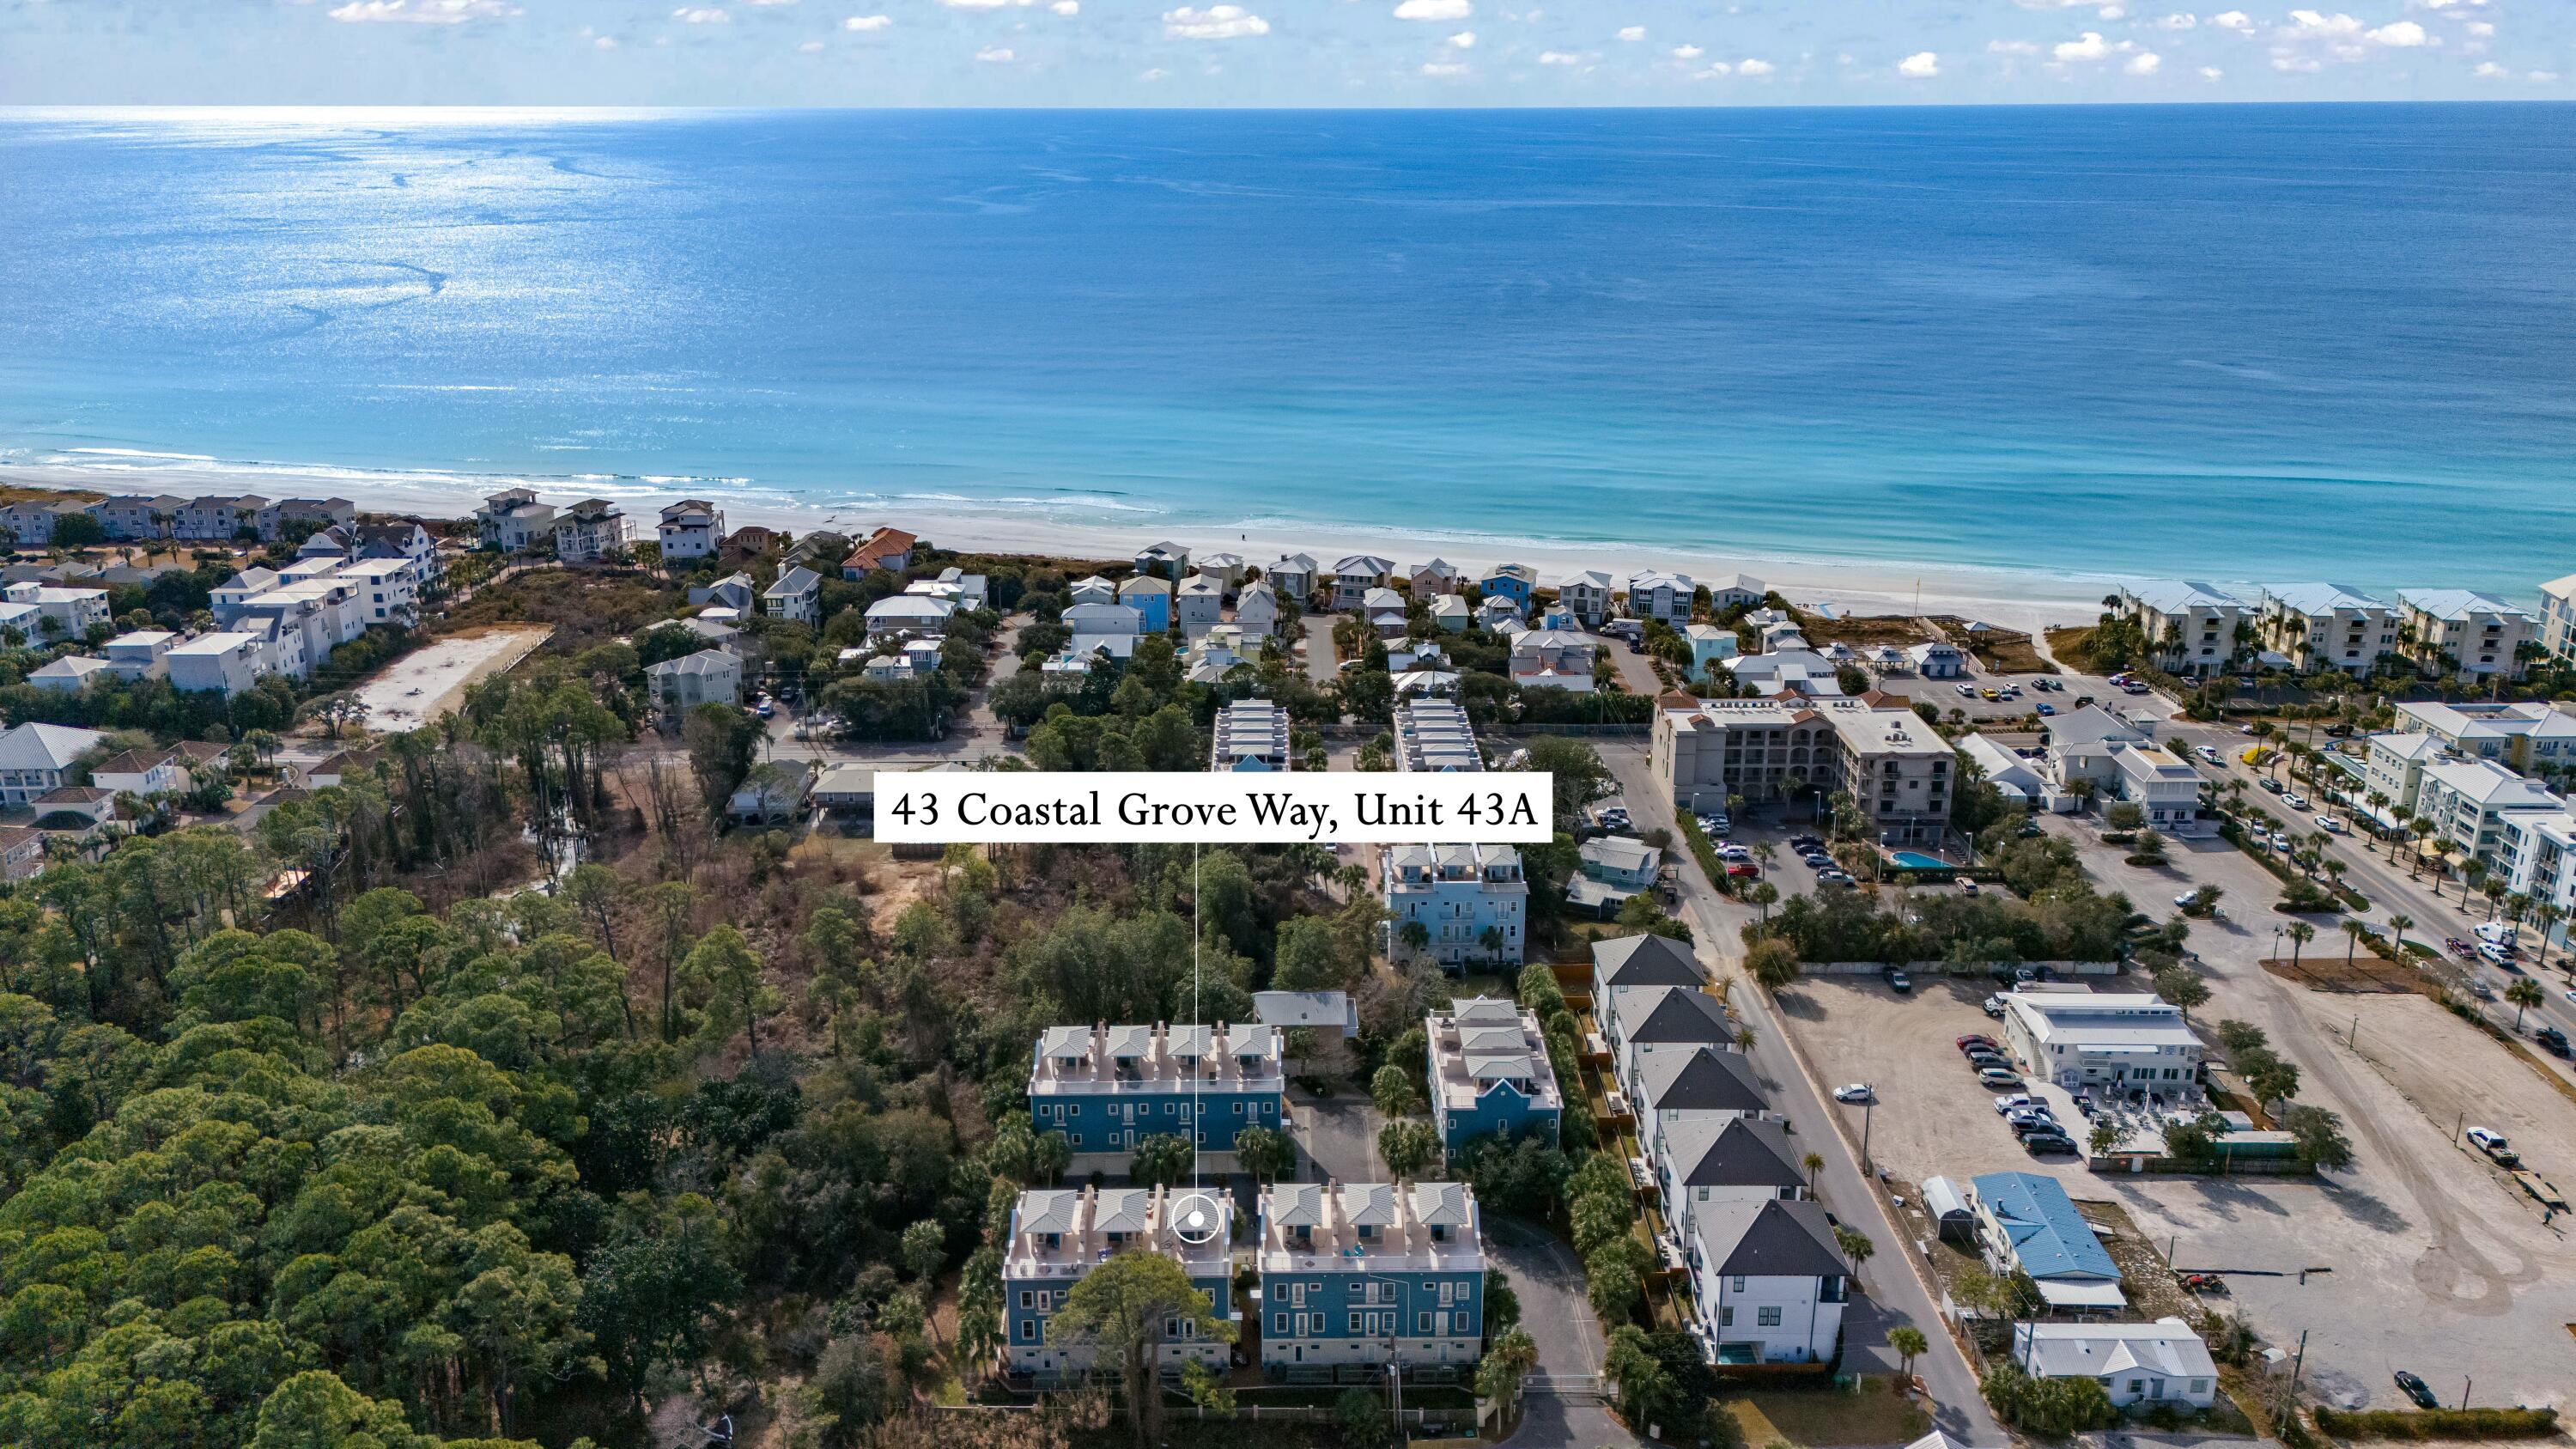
1321	664
1891	1293
1558	1316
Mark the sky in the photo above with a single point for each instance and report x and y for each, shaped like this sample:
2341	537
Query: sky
1274	52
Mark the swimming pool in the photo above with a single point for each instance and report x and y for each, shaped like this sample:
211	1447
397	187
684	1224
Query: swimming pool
1917	860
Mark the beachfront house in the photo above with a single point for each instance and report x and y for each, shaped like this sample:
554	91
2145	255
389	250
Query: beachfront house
1293	575
1656	594
1167	561
886	548
690	529
2191	629
1769	1282
1108	1087
1355	576
1058	1235
1225	570
1585	594
218	519
30	521
2557	617
140	515
1490	1075
591	531
2462	631
1733	591
1432	579
1513	581
1369	1273
513	521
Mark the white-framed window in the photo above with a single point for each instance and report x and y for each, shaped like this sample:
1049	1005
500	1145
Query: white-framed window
1423	1323
1726	1318
1027	1299
1028	1330
1355	1324
1735	1284
1767	1318
1279	1323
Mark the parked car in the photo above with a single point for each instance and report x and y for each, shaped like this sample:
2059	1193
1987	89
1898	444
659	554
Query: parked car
1976	1038
2416	1389
1899	982
1742	868
1999	1079
1967	691
2332	826
2268	783
2041	1144
2493	1144
2187	899
1994	1007
2045	708
2552	1040
1856	1092
2294	800
2013	1101
1967	886
2082	700
2040	1126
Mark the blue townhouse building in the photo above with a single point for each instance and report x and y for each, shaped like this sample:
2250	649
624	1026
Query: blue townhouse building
1108	1088
1489	1073
1513	581
1059	1235
1357	1276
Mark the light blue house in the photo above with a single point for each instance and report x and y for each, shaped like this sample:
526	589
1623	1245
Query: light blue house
1711	645
1057	1236
1511	581
2025	1220
1151	598
1108	1088
1490	1073
1355	1276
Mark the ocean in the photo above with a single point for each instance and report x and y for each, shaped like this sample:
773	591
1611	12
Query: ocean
2245	342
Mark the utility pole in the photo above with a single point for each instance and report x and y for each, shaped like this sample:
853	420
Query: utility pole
1864	1139
2297	1359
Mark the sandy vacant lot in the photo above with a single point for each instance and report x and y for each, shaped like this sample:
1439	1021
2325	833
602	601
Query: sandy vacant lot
428	682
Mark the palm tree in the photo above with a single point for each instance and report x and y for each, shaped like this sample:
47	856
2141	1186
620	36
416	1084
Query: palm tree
2549	915
2400	924
2495	890
1814	1162
2472	872
2525	994
2353	932
2301	933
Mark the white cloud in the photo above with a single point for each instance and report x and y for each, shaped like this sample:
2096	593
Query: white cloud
2487	69
2236	20
997	54
1067	7
1920	64
2115	12
765	4
2179	20
2145	62
2401	35
1764	67
701	15
423	12
2211	73
1560	57
2090	47
2481	29
1463	40
1434	10
1632	32
2308	23
2288	61
605	42
1154	73
810	47
867	22
1687	52
1715	69
2544	77
1217	22
1445	67
2011	47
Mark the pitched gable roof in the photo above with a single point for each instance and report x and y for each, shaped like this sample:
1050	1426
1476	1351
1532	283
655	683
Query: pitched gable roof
1707	1080
1710	1151
1768	1239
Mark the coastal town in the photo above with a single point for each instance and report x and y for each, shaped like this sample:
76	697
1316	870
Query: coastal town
1919	1030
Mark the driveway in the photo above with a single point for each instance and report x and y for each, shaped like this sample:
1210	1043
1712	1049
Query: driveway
1557	1315
1336	1137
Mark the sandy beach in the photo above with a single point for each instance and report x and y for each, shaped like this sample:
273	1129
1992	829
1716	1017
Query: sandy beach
2025	600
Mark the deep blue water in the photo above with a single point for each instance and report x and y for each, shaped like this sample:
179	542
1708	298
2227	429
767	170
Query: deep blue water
2243	342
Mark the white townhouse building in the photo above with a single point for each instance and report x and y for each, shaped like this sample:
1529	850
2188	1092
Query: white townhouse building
1770	1280
1641	960
2468	801
2523	734
1656	594
1472	900
2190	628
797	598
2395	767
1256	608
227	661
2081	1039
1695	1083
36	759
141	515
1641	1023
139	654
1293	575
73	611
710	676
2327	626
2462	631
1251	734
2163	1362
1585	594
218	519
691	528
1705	1158
2557	616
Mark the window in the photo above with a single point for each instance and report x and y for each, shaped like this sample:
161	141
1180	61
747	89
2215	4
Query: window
1027	1299
1423	1320
1735	1284
1726	1318
1768	1318
1028	1330
1355	1324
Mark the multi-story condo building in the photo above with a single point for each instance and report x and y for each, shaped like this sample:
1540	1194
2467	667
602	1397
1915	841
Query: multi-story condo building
2395	767
1490	1074
1700	1083
36	759
2557	617
2190	628
2461	631
1108	1088
1471	900
1251	734
1641	1022
1706	1158
591	530
1898	771
72	611
219	518
141	515
1769	1282
2327	626
691	528
2468	801
31	521
276	518
2525	735
228	662
1370	1274
1058	1236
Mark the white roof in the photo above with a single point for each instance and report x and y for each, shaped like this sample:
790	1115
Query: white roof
2321	598
45	746
214	645
1585	579
2410	746
2098	1350
2490	785
705	661
908	606
2101	1020
2175	596
2457	603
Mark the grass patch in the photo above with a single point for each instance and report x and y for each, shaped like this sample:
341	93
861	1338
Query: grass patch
1871	1413
2440	1423
586	607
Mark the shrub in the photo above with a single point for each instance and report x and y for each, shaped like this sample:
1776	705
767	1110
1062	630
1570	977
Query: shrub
2439	1423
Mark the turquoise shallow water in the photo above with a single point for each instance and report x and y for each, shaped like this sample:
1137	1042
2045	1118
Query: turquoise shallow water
2251	342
